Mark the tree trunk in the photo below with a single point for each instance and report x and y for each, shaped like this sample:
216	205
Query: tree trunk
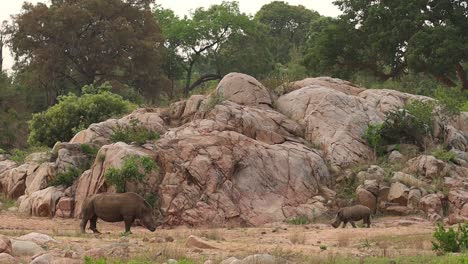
203	79
445	80
1	54
188	78
461	73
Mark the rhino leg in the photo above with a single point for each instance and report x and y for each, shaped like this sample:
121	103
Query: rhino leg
345	222
128	223
83	224
367	221
353	224
92	224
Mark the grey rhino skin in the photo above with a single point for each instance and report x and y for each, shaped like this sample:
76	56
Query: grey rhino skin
116	207
351	214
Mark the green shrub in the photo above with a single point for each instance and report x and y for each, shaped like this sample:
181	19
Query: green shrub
19	155
214	100
65	178
373	136
133	169
412	125
445	155
91	152
408	125
73	113
452	101
2	151
450	240
299	220
134	133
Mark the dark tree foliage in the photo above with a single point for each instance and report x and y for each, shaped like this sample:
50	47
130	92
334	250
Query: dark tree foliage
288	25
390	38
72	43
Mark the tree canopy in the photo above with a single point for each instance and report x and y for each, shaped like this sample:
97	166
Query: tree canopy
73	43
391	38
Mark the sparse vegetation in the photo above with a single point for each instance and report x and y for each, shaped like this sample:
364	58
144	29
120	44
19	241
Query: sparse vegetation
135	133
298	238
66	178
445	155
6	202
133	169
19	155
373	136
450	240
214	100
299	220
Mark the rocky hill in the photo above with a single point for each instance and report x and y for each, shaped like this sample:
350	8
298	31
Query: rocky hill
245	155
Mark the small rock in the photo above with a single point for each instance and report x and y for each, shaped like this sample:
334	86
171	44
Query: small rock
398	193
7	259
208	262
38	238
5	245
172	261
25	248
395	157
196	242
95	253
13	209
260	258
414	197
43	259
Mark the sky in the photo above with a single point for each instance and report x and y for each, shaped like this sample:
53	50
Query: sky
181	8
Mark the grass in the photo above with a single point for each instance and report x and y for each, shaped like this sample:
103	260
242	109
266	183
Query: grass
427	259
19	155
299	220
213	234
7	202
213	101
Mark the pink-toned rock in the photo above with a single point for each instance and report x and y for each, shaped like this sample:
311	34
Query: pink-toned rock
65	207
244	90
93	181
5	245
332	119
366	198
332	83
38	180
41	203
429	166
238	179
464	211
398	210
13	181
384	100
192	105
458	197
398	193
431	203
6	165
455	218
99	133
196	242
414	197
7	259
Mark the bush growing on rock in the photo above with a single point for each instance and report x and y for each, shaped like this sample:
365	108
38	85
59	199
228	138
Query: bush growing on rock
133	169
445	155
73	113
411	124
135	133
65	178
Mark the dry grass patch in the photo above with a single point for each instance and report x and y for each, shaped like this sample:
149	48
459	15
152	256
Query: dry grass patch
298	238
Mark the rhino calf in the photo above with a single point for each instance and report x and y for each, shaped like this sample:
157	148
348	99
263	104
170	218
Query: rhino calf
351	214
116	207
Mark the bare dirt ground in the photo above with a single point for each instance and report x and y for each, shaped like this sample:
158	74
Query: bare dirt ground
312	243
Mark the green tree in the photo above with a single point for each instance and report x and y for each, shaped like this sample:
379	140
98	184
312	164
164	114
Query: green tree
72	43
200	35
72	113
288	25
391	38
